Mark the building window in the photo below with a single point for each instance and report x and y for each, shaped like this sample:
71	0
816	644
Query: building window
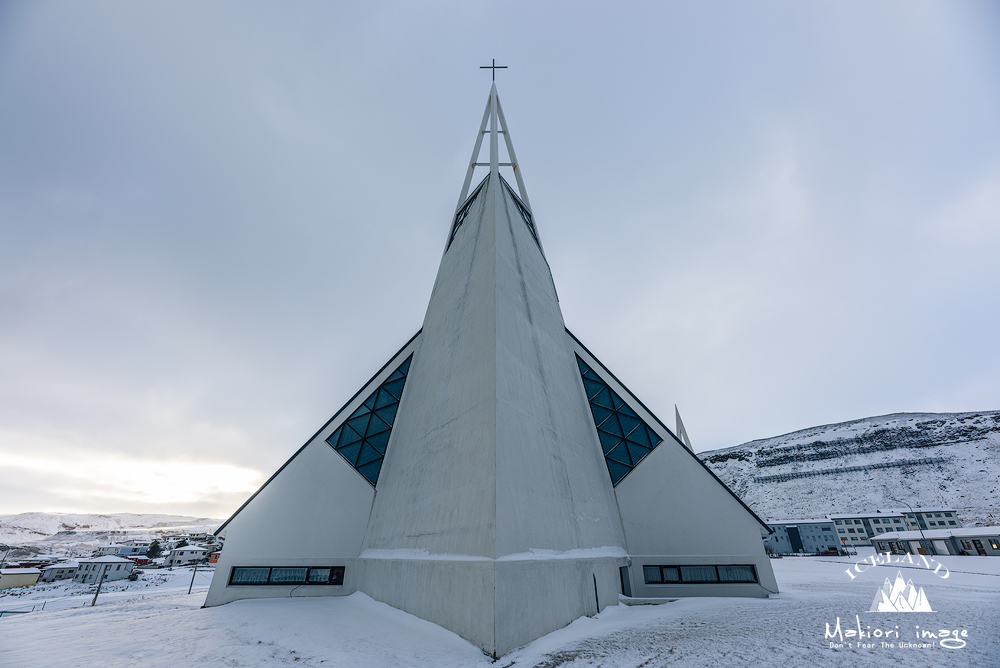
857	521
850	531
895	521
995	544
837	522
699	574
363	437
840	531
264	575
523	210
625	438
937	514
876	521
464	211
951	521
947	514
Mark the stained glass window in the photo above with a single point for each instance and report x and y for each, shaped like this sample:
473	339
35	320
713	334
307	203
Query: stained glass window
625	438
363	437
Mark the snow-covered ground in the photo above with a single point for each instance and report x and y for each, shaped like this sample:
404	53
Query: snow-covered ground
69	594
136	627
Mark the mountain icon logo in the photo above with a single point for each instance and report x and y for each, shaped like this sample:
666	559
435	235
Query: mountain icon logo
900	596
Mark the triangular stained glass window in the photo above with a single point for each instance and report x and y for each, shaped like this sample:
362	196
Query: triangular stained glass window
374	418
614	420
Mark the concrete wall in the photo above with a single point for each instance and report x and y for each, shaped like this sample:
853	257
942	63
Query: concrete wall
494	452
535	597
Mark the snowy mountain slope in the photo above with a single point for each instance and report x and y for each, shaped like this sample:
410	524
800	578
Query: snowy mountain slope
924	459
60	533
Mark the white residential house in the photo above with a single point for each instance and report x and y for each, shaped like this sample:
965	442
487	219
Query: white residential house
123	550
968	541
809	536
189	554
115	568
854	529
64	570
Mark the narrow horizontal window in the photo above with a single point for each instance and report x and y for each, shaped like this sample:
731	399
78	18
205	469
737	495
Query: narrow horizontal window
699	574
737	574
302	575
288	575
249	576
729	573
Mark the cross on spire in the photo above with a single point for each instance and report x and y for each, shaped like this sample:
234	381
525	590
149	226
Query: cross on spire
493	67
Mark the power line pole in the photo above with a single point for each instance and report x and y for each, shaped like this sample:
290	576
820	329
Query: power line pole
99	583
192	576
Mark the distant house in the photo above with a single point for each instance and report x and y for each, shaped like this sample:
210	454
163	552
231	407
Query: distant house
124	550
969	541
214	557
18	577
856	529
114	568
188	554
62	571
805	536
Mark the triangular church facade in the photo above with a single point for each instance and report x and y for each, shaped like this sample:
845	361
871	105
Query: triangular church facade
494	477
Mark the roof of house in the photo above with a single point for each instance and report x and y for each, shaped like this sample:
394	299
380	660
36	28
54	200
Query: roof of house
957	532
19	571
106	559
189	548
64	564
794	522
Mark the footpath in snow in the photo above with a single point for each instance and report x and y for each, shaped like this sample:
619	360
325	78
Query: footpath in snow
161	626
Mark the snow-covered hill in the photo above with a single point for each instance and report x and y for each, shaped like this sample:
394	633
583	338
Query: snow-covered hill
64	533
924	459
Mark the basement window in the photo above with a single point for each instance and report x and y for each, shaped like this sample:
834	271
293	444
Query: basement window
737	573
278	575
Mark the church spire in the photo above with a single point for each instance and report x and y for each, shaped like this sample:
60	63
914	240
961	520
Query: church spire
497	125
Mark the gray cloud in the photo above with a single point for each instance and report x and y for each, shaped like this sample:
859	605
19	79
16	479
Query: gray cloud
217	221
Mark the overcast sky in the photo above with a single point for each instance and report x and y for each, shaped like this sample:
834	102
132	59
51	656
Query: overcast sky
217	220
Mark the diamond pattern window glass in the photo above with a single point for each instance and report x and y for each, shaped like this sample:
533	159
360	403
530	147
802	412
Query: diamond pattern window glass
464	211
523	210
625	438
363	437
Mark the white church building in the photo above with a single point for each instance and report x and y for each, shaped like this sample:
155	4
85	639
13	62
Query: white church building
494	477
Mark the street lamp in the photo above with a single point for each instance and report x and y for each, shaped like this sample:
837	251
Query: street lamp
923	538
